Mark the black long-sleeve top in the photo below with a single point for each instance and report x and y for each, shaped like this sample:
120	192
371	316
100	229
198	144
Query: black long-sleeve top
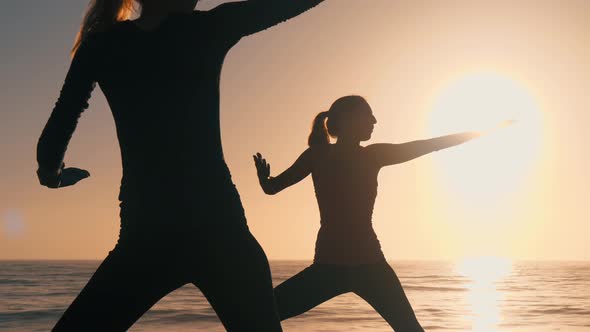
163	89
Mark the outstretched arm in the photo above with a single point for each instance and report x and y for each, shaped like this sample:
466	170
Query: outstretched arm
390	154
247	17
73	100
294	174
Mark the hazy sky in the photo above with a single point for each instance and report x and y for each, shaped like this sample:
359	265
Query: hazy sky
404	56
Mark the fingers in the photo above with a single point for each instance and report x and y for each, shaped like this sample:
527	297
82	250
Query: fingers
82	173
71	176
262	167
508	123
259	161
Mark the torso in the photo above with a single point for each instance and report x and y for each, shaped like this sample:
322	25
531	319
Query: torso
163	89
345	183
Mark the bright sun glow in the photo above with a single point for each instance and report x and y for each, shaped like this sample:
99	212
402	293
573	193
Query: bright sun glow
491	167
483	296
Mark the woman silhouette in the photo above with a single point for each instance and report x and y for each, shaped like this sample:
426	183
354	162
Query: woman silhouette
181	216
348	257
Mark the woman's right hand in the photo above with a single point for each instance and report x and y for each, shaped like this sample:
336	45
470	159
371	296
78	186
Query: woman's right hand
263	171
64	177
262	167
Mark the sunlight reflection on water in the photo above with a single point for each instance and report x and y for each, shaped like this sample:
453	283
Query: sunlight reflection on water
483	296
480	294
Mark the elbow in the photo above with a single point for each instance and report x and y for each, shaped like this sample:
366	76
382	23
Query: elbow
270	191
269	186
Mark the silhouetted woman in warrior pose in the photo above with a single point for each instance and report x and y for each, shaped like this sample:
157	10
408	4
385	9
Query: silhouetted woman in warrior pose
348	257
181	216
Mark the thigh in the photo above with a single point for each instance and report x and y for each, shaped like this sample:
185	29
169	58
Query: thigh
236	280
381	288
121	290
308	289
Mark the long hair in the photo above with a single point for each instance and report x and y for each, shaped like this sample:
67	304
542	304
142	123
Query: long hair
319	133
326	124
100	15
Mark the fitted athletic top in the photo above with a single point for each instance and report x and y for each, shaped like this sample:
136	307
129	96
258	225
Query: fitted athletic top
162	87
346	188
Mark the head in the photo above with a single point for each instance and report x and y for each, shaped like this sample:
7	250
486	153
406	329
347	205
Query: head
101	14
349	118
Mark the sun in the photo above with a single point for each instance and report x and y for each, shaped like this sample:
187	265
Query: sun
487	169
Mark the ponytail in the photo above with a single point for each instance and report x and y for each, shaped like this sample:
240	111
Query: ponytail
319	133
101	14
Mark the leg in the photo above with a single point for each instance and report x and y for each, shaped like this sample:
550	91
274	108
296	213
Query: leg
122	289
308	289
237	282
380	287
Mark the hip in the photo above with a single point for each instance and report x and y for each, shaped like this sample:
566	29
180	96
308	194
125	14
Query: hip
176	215
348	247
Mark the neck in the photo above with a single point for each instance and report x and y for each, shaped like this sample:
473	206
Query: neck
348	142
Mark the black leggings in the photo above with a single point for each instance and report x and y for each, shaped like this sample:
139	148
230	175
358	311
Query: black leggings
375	283
227	265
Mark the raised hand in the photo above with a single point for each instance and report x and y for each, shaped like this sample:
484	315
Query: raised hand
501	125
63	178
262	167
507	123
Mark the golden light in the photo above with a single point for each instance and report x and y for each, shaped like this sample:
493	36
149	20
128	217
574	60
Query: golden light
484	270
495	165
483	296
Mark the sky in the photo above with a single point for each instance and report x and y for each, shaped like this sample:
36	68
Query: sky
426	67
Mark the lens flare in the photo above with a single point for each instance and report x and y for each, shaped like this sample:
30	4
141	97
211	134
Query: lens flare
13	224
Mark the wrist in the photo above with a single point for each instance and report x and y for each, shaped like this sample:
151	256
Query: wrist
50	178
266	184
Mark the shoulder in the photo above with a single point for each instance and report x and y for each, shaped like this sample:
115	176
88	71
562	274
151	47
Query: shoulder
219	12
226	7
307	154
379	152
89	46
97	40
220	18
317	151
376	147
95	51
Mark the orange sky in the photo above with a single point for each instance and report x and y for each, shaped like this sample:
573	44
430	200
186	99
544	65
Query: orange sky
400	55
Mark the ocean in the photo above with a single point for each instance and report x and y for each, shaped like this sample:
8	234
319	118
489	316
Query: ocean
480	295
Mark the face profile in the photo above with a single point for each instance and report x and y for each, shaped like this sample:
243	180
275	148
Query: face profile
358	125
